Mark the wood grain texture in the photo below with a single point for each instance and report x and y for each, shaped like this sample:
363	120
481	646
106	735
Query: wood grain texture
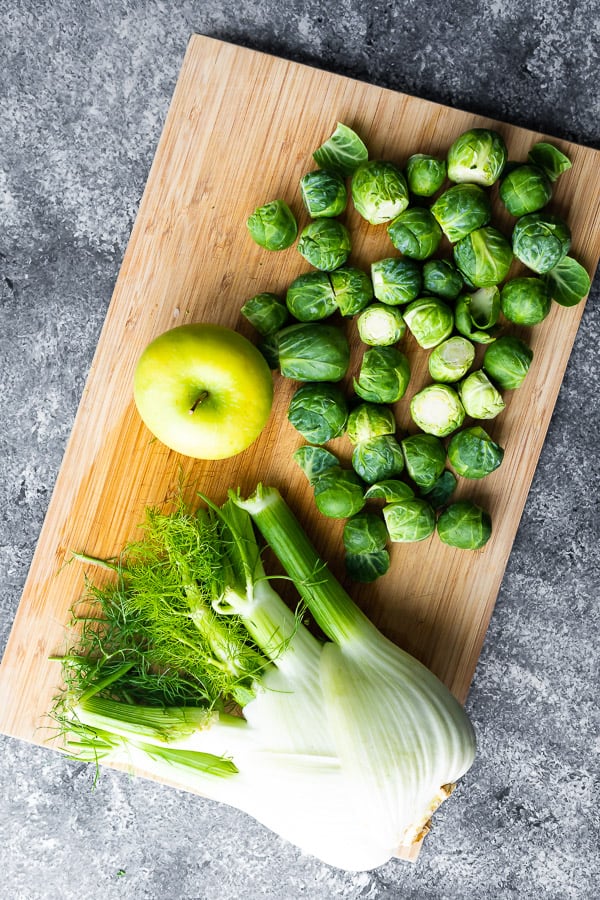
241	130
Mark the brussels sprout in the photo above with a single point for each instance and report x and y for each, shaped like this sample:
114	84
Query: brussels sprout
524	190
365	532
395	280
390	489
384	375
313	351
483	257
367	567
441	490
379	191
479	397
462	209
343	152
477	156
409	520
525	301
550	159
380	325
540	241
451	360
325	244
369	420
507	361
273	225
473	453
442	278
324	193
425	174
429	320
378	458
314	461
319	412
437	409
568	282
266	312
415	233
465	525
338	493
352	289
464	324
425	458
310	297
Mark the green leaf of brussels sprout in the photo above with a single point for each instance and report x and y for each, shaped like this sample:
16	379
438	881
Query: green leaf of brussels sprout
484	307
568	282
324	193
266	312
429	320
425	458
525	189
451	360
378	458
310	297
437	409
409	520
395	280
367	567
325	244
525	300
390	489
343	152
462	209
379	191
384	375
319	412
380	325
477	156
369	420
313	351
415	233
483	257
269	349
314	461
352	289
273	225
473	453
463	322
465	525
479	397
441	491
339	493
442	278
549	158
365	533
507	361
425	174
540	241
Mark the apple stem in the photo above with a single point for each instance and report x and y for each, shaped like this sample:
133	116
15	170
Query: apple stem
199	399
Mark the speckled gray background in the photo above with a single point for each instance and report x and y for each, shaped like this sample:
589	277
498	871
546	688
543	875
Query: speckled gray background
85	88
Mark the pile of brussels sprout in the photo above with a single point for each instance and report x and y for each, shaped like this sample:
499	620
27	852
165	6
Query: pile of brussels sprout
448	304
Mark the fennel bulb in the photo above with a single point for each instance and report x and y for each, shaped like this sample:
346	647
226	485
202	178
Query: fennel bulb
345	746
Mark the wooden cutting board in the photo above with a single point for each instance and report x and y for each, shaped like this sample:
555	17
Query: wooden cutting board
240	131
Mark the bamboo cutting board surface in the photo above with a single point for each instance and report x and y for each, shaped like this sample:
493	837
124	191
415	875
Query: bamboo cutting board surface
241	130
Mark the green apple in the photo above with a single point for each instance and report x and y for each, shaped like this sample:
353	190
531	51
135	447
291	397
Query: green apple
203	390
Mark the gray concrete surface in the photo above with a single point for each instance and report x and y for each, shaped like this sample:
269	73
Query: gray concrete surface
85	88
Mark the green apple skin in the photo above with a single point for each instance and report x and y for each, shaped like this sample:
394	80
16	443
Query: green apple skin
203	390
